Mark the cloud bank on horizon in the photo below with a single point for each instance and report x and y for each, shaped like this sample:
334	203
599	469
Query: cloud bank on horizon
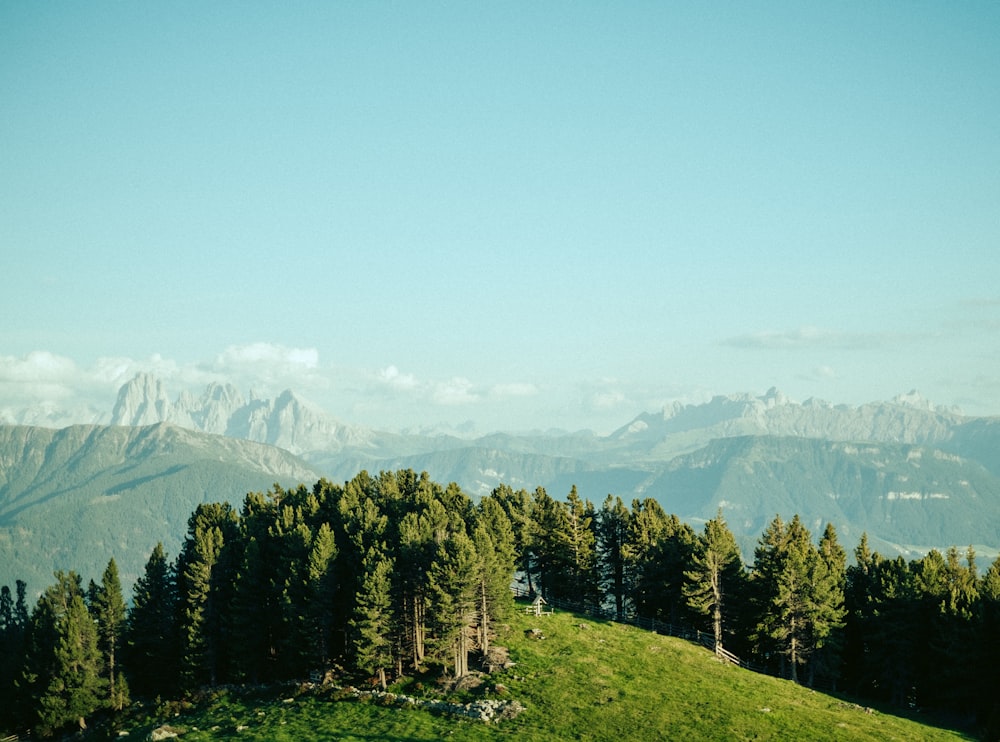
47	389
515	216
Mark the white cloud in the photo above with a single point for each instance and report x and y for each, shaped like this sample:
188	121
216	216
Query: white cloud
455	391
391	376
268	354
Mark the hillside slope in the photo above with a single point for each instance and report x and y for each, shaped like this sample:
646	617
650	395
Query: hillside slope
585	680
908	498
73	498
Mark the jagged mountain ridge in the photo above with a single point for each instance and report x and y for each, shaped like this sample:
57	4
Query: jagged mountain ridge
287	421
681	428
292	423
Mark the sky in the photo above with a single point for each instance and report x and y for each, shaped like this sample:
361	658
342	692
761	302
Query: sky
500	216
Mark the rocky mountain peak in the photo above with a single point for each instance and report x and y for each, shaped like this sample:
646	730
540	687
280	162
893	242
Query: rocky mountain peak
141	401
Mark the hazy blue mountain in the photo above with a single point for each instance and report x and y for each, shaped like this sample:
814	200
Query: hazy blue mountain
72	498
914	476
908	498
681	428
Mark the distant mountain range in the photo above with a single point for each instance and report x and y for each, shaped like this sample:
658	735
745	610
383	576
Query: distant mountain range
914	476
73	498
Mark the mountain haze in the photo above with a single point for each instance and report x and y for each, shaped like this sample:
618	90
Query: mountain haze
911	475
72	498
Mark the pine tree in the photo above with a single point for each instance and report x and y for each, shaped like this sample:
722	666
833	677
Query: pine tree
452	582
151	642
322	593
205	578
63	665
716	574
612	543
12	647
493	539
108	608
784	566
661	549
826	610
987	667
550	562
372	624
517	505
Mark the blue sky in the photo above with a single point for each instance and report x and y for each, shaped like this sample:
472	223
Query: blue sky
523	215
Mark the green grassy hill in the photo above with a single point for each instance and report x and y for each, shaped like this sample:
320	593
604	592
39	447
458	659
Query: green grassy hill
584	680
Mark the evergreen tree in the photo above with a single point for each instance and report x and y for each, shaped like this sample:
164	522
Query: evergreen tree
416	552
12	631
517	505
581	547
716	575
493	539
784	567
647	528
827	579
987	666
551	562
63	664
453	580
205	577
322	593
108	607
951	608
660	558
256	615
151	642
612	543
372	624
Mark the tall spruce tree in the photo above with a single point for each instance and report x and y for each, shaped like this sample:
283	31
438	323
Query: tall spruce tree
151	641
63	664
517	505
612	544
715	577
205	578
322	593
372	627
108	607
826	610
784	562
493	539
453	580
987	666
12	630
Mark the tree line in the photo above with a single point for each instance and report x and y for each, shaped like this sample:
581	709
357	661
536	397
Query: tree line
395	574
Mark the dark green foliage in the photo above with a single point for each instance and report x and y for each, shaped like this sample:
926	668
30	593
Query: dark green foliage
206	570
612	540
63	663
151	639
108	609
372	625
798	594
13	627
715	580
660	550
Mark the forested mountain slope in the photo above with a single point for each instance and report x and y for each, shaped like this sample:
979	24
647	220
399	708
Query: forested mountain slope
908	498
72	498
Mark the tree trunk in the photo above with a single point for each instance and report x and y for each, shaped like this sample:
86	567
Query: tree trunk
484	620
